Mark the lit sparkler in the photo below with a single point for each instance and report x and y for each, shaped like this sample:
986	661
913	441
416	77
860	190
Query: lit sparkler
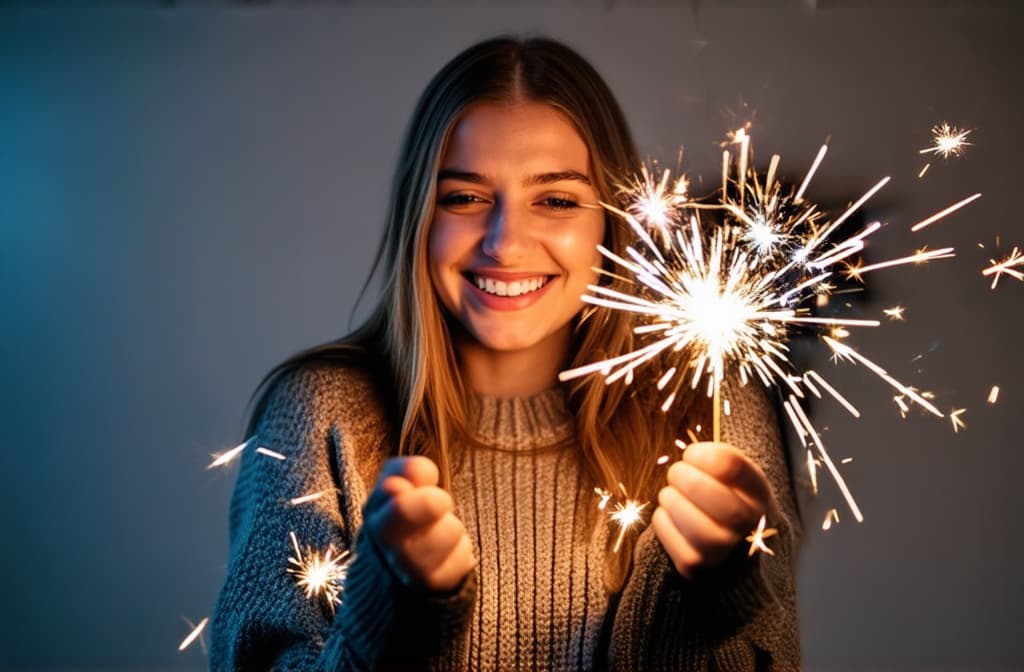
730	295
320	575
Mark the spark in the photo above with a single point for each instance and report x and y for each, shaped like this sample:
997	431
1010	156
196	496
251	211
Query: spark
319	575
758	536
954	417
894	313
918	257
657	201
605	496
197	632
1007	266
947	141
993	394
846	460
831	516
730	282
221	459
626	515
945	211
304	499
663	460
270	453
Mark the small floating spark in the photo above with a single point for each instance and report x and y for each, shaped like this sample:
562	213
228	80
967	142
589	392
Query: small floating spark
894	313
758	536
831	516
993	394
1007	266
663	460
954	417
948	141
846	460
605	496
221	459
197	631
626	514
270	453
320	575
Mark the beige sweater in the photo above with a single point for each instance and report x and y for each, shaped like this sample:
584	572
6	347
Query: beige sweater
536	599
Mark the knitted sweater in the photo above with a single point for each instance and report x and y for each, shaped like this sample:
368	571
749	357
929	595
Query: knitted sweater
536	599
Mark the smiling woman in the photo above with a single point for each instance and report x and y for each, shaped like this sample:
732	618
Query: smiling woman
513	243
435	449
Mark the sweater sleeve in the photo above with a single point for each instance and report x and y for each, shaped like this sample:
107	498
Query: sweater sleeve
264	619
738	615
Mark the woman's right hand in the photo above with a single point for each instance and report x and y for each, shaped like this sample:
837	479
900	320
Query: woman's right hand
411	520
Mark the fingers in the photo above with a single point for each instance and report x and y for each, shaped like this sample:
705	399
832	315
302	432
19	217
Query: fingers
684	557
399	474
731	467
700	530
724	505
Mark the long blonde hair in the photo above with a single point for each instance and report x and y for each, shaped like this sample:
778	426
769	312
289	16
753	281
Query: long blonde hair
407	336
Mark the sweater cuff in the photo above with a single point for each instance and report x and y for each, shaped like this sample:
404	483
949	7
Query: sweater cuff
727	596
384	623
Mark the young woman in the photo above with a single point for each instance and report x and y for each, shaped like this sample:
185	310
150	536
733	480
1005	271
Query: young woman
456	469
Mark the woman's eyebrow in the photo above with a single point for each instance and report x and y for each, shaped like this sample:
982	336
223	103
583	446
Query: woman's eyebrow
560	176
530	181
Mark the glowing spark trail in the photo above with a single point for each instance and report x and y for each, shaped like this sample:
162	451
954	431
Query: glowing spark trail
993	394
270	453
221	459
320	575
728	294
305	499
197	631
954	417
1007	266
945	211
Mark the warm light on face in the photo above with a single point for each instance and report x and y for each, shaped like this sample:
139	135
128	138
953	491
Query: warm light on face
514	237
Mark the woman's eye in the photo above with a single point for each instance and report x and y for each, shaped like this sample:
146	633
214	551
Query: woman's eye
559	203
460	199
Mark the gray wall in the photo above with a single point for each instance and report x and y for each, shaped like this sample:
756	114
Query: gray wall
189	192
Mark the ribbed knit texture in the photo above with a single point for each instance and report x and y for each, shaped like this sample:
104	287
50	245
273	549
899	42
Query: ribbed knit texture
540	597
536	599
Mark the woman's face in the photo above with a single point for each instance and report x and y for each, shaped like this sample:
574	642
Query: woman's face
511	245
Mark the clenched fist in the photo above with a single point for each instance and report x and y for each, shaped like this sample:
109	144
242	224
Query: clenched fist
715	496
411	521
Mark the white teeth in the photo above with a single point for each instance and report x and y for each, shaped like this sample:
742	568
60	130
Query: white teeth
513	288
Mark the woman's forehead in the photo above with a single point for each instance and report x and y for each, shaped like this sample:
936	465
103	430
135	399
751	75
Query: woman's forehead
528	136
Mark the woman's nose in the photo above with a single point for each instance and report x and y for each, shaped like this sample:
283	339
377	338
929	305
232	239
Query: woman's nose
507	237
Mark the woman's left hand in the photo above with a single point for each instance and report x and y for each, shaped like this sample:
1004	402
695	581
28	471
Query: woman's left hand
714	498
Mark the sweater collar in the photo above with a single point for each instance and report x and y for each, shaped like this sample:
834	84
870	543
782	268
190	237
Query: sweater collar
522	423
